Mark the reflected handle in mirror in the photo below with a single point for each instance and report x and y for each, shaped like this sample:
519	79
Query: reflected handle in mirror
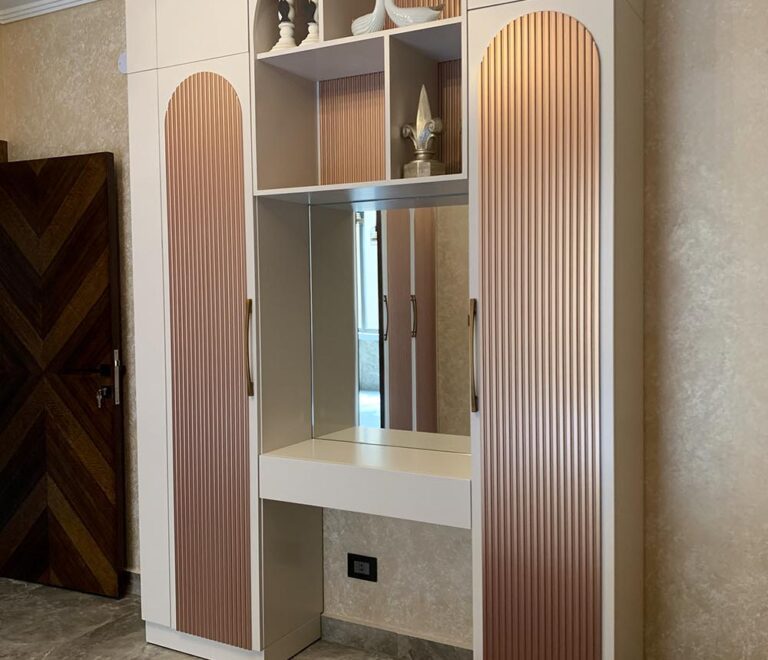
386	318
472	323
248	372
414	317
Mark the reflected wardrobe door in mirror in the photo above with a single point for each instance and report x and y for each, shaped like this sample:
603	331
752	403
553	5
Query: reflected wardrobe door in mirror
389	308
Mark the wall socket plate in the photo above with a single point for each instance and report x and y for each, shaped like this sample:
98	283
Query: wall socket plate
361	567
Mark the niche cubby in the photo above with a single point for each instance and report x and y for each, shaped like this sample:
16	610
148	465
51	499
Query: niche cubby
329	130
431	58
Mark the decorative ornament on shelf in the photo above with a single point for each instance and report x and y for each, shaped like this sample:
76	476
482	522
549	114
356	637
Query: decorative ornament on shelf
423	135
402	16
313	31
373	22
285	13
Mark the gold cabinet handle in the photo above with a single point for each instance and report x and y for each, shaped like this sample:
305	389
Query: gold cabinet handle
414	317
386	318
472	322
248	372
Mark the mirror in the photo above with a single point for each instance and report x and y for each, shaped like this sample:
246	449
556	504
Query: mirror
389	313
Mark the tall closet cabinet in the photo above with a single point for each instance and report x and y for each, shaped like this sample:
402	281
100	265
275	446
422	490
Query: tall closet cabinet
194	287
232	160
555	134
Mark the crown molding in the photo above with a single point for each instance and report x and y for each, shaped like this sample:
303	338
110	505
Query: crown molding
37	8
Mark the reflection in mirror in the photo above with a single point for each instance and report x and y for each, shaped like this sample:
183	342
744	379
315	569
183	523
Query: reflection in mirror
389	314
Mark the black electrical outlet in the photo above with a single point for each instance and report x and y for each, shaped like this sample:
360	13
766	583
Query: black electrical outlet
362	568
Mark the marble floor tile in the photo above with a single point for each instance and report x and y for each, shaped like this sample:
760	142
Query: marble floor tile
44	623
123	638
47	615
327	651
13	587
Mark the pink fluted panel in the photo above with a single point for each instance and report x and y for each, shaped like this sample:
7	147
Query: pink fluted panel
540	240
352	129
206	251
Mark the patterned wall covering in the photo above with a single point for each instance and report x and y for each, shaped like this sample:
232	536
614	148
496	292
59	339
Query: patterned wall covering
410	597
706	330
452	275
206	253
539	393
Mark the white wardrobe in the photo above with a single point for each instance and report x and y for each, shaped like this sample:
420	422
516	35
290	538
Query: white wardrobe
234	150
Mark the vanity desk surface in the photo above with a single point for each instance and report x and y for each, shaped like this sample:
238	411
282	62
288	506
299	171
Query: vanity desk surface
424	485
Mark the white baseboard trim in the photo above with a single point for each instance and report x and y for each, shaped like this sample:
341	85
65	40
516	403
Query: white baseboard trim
37	8
203	648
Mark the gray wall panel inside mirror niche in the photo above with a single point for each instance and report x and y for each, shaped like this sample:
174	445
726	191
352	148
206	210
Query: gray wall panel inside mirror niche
377	277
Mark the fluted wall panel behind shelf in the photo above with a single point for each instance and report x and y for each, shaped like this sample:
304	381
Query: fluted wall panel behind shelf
540	237
352	129
449	84
207	281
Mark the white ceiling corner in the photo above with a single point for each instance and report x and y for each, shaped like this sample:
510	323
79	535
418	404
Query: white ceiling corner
17	10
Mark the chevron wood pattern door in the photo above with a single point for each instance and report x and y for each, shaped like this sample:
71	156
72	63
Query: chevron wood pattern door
61	471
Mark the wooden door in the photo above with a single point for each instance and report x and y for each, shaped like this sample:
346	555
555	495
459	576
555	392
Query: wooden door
61	455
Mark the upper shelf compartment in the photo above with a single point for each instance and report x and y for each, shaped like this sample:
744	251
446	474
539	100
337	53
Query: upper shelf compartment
329	115
354	56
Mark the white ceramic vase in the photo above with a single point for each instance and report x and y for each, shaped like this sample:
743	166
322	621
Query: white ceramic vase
403	16
373	22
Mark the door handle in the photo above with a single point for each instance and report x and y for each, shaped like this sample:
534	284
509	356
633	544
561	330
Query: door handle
248	372
414	317
386	318
117	366
472	323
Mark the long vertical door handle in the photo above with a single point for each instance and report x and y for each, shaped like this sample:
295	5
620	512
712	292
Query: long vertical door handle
472	322
386	318
248	372
414	317
117	365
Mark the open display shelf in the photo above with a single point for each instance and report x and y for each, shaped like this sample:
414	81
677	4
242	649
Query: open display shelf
329	131
445	190
354	56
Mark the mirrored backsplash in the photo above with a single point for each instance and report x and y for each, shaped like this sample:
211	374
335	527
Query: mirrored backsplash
390	292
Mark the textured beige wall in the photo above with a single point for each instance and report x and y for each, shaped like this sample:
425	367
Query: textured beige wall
3	99
452	284
706	329
425	576
62	94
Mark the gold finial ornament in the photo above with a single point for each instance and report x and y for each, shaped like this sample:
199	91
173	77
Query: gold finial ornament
423	135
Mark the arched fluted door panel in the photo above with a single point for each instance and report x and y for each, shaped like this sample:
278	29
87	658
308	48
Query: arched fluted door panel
207	284
539	169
